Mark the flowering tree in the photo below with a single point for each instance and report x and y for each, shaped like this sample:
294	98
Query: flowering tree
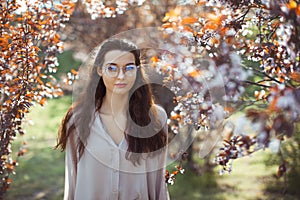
251	50
29	44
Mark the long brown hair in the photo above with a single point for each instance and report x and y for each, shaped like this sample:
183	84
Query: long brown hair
80	115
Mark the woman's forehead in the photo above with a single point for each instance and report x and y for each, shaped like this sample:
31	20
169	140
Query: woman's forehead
118	56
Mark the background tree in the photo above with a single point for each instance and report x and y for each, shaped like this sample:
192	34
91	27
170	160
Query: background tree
29	44
253	46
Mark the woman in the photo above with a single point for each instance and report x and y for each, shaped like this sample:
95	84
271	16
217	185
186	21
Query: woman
114	135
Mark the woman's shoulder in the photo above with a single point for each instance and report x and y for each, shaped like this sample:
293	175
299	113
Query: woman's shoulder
72	118
76	113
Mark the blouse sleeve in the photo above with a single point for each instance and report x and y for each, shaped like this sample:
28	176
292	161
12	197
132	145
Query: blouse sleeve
70	168
157	187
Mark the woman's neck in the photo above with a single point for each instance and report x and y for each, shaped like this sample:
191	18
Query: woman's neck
114	104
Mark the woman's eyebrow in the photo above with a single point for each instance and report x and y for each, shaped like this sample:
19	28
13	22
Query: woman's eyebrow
111	63
132	63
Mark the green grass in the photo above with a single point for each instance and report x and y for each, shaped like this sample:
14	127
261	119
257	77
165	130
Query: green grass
40	174
249	180
191	186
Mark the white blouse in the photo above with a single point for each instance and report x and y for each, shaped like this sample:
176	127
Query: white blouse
103	172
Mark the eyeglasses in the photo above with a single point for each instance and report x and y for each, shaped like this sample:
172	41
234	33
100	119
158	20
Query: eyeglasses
112	70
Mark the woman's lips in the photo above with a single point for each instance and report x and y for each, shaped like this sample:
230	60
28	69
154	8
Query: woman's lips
120	85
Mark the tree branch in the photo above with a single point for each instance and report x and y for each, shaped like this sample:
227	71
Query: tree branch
257	84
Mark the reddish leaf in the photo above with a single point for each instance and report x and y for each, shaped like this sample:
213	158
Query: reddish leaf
189	20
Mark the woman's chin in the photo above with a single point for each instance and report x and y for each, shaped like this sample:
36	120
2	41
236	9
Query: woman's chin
120	91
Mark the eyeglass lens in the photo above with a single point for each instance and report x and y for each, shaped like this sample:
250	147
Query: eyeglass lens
112	70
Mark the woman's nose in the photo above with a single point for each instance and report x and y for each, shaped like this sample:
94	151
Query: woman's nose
121	74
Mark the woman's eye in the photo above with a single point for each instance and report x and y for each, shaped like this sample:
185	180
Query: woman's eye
130	67
112	68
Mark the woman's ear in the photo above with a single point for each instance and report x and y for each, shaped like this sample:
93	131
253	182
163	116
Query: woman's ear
99	70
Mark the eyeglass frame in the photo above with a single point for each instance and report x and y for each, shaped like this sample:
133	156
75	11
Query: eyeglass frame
118	67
